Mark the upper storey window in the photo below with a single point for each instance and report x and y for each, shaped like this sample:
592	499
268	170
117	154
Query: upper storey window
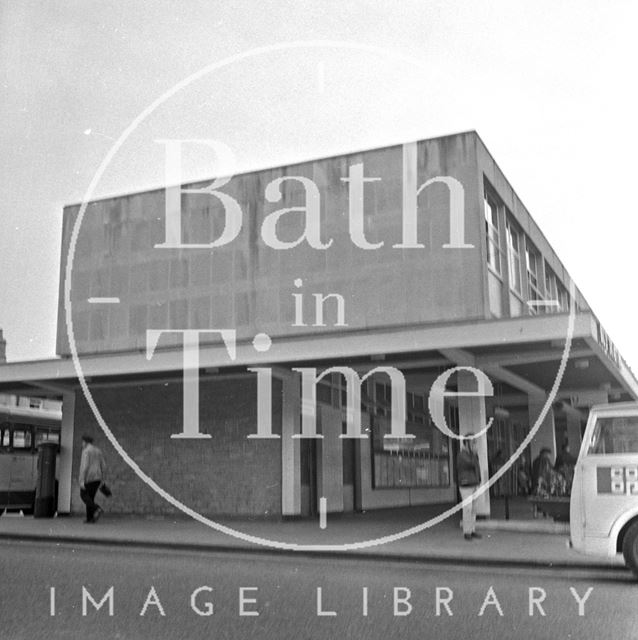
492	231
534	281
514	257
551	290
532	260
563	299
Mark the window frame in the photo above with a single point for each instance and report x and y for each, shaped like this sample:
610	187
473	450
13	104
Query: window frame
494	255
28	430
551	288
563	298
534	277
514	256
597	437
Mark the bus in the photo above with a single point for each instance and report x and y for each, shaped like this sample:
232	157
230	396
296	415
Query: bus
23	427
604	499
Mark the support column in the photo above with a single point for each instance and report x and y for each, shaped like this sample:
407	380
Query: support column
573	433
290	448
546	434
66	452
472	420
330	459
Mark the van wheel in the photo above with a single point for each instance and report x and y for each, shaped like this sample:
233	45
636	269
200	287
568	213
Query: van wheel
630	548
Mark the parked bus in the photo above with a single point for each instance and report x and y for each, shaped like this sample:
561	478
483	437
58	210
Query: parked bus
22	430
604	500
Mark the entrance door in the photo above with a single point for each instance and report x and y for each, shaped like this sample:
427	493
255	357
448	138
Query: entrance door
309	497
349	473
329	467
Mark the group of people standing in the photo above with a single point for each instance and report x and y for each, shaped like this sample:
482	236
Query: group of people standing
544	479
549	479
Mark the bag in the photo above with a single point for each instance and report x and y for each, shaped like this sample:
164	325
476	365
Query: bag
104	488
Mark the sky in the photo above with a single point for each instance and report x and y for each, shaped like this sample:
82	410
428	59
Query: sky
549	86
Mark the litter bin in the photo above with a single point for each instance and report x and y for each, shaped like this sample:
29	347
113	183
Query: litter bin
45	506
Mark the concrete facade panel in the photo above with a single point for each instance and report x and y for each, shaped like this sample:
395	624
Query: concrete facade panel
381	287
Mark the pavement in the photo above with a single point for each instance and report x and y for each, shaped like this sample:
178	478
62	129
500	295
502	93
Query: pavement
382	534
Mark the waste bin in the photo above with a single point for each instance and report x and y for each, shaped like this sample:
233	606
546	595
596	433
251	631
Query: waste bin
45	506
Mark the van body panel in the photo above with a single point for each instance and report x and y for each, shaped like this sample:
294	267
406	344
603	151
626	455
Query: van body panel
605	488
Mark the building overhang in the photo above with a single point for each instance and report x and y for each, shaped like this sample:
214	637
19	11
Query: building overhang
522	352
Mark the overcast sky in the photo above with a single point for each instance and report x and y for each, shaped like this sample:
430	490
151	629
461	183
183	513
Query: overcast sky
549	86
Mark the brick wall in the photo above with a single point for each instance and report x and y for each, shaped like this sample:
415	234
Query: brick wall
227	474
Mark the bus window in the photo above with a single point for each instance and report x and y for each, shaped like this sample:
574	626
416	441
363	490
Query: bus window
4	435
615	435
43	434
22	438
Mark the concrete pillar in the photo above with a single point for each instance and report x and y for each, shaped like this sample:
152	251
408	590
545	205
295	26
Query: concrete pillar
65	479
290	448
573	432
330	459
546	434
472	420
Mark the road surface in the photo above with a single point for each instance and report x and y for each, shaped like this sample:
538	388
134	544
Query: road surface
54	591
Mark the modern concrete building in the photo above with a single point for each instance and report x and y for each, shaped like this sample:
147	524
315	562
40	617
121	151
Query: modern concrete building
414	259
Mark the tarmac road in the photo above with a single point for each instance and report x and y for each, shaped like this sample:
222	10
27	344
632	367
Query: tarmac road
360	598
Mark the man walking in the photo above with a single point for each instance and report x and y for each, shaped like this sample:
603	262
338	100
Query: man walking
92	471
469	477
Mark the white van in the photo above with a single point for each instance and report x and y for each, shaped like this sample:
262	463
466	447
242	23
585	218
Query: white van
604	500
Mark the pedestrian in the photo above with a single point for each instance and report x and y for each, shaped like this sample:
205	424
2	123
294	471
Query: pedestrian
565	464
469	478
540	463
551	483
545	454
92	472
523	476
565	457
